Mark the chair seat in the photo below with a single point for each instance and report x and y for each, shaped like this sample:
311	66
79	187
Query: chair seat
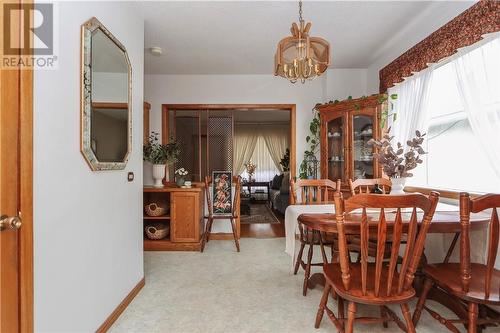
447	276
334	276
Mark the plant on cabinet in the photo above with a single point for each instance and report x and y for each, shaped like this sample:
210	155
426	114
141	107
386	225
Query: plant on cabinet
160	156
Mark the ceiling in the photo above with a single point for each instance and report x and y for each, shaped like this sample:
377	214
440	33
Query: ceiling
240	37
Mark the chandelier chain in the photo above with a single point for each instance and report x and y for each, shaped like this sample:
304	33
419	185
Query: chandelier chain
300	11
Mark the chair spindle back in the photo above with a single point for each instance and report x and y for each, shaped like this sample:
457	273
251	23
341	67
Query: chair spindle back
313	190
415	238
235	202
360	186
468	206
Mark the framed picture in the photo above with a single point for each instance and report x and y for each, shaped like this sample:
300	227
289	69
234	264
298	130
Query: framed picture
222	191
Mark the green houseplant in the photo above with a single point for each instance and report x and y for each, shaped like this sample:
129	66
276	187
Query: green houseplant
160	156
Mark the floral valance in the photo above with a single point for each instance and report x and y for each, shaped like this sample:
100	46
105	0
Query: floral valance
464	30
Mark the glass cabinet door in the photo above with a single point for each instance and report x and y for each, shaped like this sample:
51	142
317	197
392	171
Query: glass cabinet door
336	149
362	153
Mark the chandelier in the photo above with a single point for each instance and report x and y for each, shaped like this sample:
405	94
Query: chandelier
300	57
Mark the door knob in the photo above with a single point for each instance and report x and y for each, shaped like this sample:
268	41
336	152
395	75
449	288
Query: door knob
12	222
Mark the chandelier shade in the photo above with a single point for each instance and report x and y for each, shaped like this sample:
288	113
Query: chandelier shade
300	57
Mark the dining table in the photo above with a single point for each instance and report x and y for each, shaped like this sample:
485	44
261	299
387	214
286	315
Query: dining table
446	220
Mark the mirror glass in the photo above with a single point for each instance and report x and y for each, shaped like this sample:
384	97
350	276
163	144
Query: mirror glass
106	104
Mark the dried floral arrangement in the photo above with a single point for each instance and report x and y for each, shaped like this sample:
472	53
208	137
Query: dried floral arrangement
395	162
250	167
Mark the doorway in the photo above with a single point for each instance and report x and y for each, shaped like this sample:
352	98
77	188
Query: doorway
229	137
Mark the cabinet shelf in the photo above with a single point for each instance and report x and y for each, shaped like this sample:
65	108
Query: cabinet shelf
167	245
163	217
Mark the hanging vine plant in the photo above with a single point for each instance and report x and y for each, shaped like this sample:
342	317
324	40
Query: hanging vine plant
313	141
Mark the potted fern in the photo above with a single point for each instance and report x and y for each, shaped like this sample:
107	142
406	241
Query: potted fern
160	156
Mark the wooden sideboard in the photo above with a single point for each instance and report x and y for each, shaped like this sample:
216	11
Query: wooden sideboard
185	212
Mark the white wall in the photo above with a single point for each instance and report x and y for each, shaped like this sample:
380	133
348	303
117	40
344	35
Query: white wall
88	225
252	89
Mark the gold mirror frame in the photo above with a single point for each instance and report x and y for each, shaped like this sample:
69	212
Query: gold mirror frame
86	97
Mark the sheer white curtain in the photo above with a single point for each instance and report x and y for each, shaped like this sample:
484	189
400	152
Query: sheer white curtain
478	83
266	169
245	140
277	141
410	106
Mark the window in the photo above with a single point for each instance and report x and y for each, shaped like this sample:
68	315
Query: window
456	157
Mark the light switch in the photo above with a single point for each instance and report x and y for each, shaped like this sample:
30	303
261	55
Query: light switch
130	176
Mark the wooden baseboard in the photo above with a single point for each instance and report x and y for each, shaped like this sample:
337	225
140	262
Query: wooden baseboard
121	307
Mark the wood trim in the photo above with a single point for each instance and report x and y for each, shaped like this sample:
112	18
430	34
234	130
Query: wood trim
448	194
106	325
228	106
107	105
26	209
206	107
146	108
26	194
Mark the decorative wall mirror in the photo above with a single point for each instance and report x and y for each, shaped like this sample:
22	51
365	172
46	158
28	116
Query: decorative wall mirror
106	87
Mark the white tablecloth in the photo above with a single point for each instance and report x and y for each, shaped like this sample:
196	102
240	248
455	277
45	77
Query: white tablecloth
291	225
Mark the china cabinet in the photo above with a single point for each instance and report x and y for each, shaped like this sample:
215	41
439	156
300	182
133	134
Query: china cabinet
346	128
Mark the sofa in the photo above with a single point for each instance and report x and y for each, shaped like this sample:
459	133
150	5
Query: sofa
279	192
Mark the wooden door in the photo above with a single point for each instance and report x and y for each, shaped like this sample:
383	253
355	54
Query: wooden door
334	147
16	243
185	216
363	126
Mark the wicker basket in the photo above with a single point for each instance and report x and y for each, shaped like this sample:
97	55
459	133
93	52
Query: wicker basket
154	210
157	230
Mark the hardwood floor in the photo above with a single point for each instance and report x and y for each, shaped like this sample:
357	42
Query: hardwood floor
264	230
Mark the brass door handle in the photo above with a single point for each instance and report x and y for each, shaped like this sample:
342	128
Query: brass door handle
12	222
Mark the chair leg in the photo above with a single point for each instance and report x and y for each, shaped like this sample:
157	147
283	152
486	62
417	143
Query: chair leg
473	314
351	315
323	254
236	242
204	239
308	269
383	314
410	328
341	310
299	257
322	304
209	228
428	283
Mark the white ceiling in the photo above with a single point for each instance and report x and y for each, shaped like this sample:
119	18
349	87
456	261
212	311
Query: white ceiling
240	37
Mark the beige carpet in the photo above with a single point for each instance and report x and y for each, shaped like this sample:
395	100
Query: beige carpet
224	291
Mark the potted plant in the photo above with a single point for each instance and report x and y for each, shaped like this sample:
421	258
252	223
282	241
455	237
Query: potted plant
160	156
180	176
397	163
285	161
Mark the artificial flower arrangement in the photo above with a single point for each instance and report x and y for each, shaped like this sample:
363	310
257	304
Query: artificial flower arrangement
181	172
395	162
250	168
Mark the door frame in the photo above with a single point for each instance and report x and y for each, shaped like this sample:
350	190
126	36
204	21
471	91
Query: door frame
26	206
238	107
25	187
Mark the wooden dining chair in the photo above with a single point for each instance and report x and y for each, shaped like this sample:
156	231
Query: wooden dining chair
312	191
360	186
232	216
475	284
377	282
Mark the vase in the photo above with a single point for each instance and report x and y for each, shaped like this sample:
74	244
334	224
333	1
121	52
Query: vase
158	174
180	181
398	184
